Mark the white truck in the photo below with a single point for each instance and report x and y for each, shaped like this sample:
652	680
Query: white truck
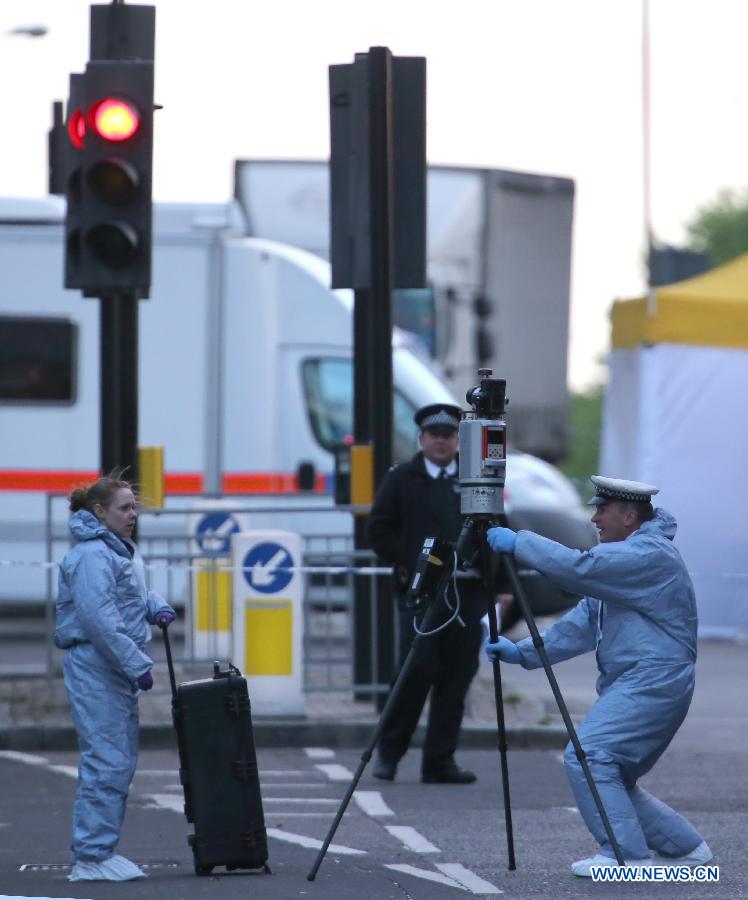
245	372
499	264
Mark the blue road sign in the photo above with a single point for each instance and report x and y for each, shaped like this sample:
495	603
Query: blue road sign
213	533
267	567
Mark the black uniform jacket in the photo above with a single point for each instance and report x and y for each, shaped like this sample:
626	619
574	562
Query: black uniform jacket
404	514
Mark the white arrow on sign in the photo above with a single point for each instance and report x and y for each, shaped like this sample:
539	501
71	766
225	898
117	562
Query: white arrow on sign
217	538
263	574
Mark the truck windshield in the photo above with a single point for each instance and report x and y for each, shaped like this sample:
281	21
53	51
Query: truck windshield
328	390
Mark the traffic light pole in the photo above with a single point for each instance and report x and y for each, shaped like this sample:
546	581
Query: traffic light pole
118	403
372	354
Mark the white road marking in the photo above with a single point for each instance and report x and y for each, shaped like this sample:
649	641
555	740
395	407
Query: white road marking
412	839
334	771
427	874
8	897
299	800
27	758
268	773
174	802
157	773
317	785
468	879
303	841
285	814
571	809
559	757
70	771
372	804
319	752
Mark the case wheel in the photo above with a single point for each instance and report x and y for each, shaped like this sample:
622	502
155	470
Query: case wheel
203	870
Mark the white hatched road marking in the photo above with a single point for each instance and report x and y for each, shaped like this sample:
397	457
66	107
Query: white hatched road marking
319	752
412	839
334	771
299	800
468	879
372	803
303	841
427	874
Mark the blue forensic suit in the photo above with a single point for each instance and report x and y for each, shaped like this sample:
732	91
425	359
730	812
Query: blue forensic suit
640	617
103	611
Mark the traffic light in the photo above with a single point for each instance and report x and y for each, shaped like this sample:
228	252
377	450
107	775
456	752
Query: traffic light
108	225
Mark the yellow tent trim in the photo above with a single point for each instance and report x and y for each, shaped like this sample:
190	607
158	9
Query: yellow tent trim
710	310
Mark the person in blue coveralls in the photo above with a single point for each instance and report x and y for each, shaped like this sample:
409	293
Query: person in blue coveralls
104	610
639	615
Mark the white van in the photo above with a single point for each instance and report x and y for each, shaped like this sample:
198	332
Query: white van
245	372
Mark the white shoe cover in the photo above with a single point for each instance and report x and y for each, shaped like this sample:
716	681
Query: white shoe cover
698	857
116	868
583	867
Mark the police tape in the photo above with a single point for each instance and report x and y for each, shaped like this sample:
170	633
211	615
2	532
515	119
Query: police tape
206	563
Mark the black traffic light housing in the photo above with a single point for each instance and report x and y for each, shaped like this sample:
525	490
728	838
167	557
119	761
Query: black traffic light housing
109	220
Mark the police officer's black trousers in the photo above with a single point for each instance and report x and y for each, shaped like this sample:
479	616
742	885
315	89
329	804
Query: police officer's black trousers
444	663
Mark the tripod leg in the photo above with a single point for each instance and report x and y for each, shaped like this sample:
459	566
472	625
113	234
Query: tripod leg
499	701
537	640
429	621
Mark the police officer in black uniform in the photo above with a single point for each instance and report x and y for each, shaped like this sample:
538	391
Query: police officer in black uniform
416	500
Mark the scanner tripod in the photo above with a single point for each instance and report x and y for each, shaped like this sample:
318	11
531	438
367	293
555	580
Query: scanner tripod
473	550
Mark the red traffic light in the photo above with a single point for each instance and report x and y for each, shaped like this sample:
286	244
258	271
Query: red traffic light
114	119
77	129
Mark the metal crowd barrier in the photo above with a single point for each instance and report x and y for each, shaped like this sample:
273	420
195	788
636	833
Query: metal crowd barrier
172	560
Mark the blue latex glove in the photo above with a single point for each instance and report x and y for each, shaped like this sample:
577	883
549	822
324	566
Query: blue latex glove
502	540
145	681
503	649
164	617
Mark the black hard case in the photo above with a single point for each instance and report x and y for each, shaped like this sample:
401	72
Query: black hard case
218	770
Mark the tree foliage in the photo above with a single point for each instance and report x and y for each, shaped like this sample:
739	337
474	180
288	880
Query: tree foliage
585	425
721	228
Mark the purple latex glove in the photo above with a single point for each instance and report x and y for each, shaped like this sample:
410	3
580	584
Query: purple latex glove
145	681
164	617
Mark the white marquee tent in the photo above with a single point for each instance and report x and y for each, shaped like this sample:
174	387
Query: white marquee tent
676	415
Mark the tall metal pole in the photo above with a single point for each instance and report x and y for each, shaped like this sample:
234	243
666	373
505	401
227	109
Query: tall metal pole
119	383
647	156
381	209
373	352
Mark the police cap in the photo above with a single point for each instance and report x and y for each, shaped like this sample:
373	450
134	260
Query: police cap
607	489
438	415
